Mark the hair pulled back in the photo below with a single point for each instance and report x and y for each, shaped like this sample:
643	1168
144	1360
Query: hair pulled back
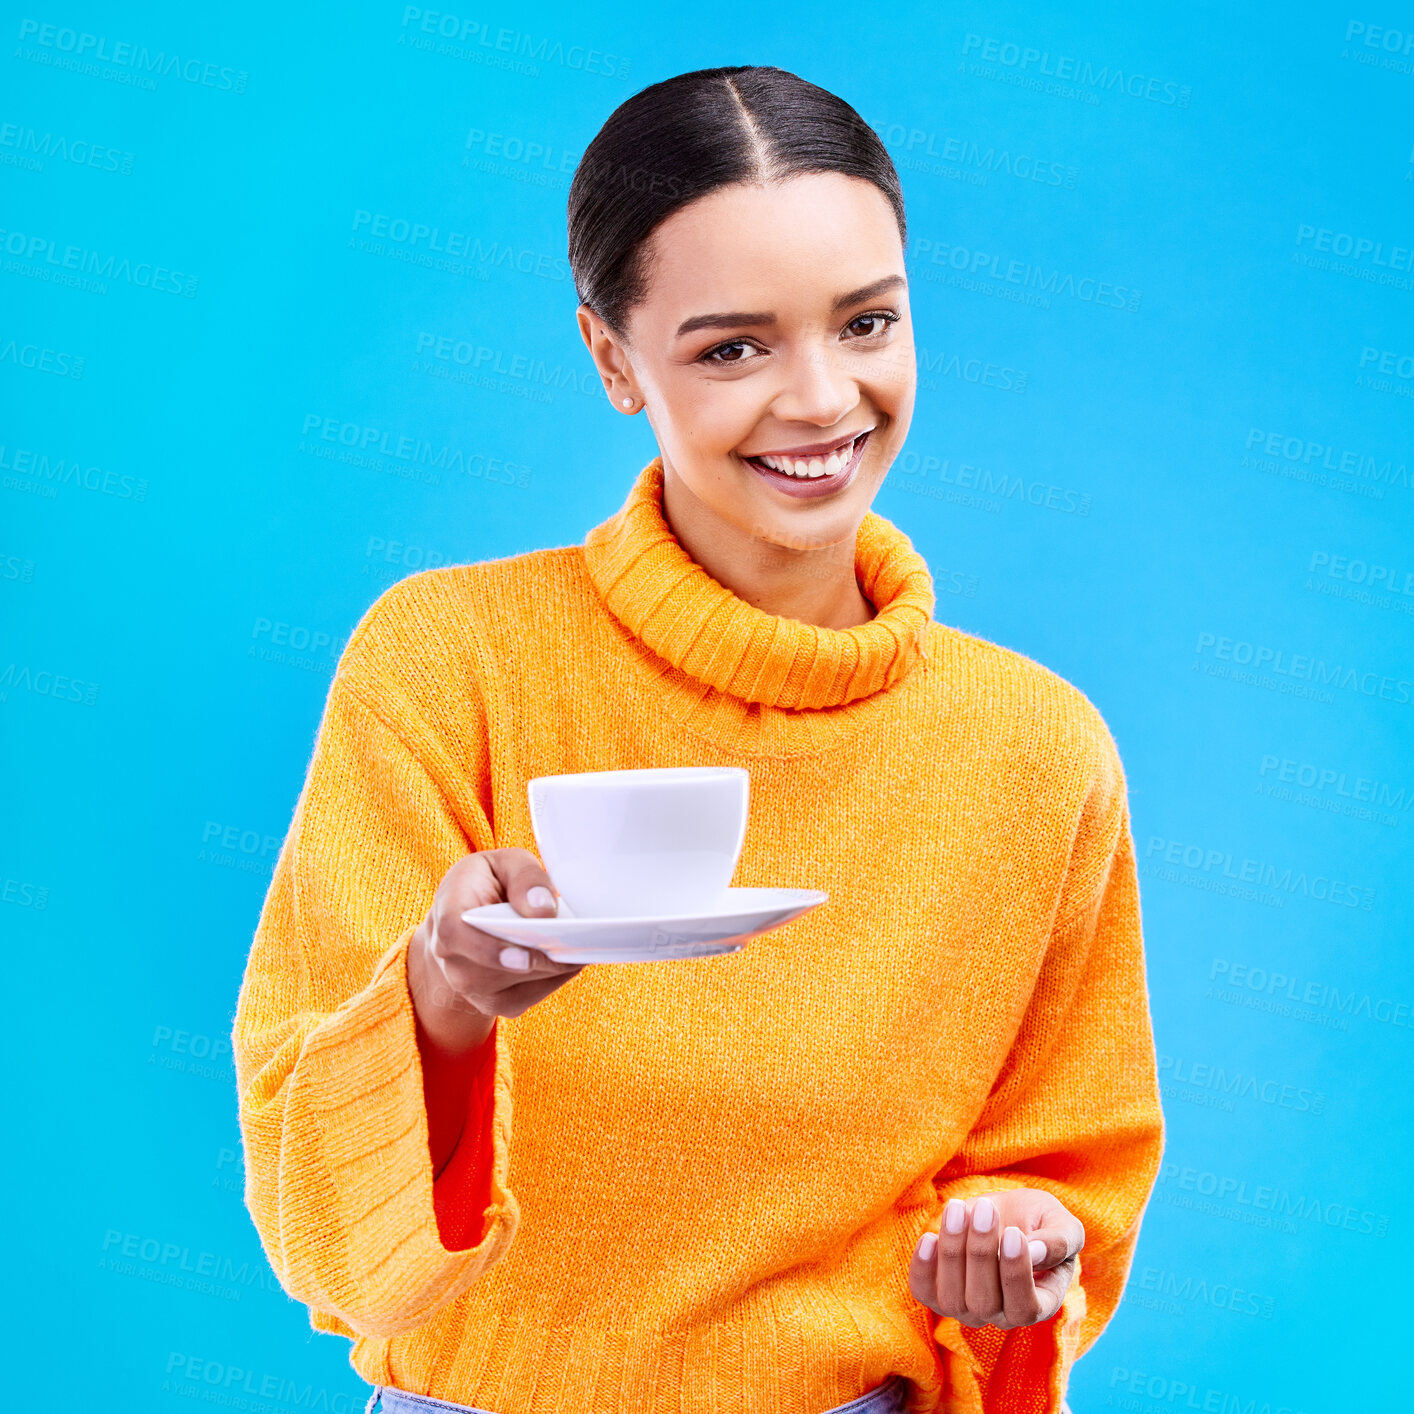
680	139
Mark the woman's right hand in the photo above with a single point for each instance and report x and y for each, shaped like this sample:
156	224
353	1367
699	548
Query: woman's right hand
462	979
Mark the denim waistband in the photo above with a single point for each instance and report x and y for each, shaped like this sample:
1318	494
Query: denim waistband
891	1397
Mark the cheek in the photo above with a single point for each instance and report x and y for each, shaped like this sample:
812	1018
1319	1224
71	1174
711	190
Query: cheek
893	396
714	418
892	392
898	380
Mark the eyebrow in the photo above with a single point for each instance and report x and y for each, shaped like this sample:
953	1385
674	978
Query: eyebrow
737	318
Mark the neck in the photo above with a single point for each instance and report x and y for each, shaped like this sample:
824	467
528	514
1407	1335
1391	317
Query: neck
815	586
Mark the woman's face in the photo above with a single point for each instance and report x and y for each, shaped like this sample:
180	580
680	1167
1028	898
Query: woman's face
773	353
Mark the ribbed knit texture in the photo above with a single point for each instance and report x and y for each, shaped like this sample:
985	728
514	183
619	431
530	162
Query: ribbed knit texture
662	596
706	1178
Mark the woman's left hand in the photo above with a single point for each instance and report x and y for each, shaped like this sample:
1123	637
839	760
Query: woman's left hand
1001	1259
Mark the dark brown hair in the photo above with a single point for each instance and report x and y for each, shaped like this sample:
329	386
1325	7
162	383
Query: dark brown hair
682	138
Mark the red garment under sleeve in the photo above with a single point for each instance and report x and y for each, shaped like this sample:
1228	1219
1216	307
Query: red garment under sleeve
461	1193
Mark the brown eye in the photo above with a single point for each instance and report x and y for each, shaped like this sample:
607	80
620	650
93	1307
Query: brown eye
881	320
738	351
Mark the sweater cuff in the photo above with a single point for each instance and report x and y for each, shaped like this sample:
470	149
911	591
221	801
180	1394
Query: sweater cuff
357	1185
1023	1371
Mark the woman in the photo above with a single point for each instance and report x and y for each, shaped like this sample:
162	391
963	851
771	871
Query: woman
852	1165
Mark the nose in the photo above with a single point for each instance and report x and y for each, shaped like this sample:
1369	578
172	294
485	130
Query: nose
816	388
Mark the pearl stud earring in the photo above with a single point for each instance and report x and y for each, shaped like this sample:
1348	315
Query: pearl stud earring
628	402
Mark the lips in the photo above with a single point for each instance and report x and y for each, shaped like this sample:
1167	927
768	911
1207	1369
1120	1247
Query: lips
814	449
816	460
805	480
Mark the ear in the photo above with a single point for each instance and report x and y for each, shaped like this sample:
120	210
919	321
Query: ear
611	358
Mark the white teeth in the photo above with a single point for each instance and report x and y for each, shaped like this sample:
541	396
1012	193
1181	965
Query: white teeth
812	467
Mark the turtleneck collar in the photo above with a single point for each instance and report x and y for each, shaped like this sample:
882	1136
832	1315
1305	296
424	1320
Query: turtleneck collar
664	598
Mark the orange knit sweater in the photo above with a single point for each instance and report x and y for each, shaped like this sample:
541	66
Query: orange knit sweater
705	1178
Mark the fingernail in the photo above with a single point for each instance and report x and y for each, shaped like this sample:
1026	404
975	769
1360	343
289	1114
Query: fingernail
982	1215
1011	1242
1038	1250
928	1246
955	1215
540	897
517	959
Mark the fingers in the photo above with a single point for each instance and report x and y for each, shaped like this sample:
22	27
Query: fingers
520	879
978	1271
524	884
1045	1220
922	1271
983	1284
1051	1286
952	1259
476	964
1051	1246
1021	1303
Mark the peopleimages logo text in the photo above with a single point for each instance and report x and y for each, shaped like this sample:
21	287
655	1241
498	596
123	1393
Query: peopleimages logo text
1305	667
993	266
1026	58
541	50
98	48
1261	873
1345	243
45	251
1326	778
1307	452
419	235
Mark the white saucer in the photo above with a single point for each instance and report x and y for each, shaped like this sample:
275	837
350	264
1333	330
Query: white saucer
745	914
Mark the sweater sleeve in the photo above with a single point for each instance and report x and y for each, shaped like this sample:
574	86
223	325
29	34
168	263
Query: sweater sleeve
1075	1112
330	1082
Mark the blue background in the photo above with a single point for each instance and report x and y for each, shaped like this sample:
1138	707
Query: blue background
1165	312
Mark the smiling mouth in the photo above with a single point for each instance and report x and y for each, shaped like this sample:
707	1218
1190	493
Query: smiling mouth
830	459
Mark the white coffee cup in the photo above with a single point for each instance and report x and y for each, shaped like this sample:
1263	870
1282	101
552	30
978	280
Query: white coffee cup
653	843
